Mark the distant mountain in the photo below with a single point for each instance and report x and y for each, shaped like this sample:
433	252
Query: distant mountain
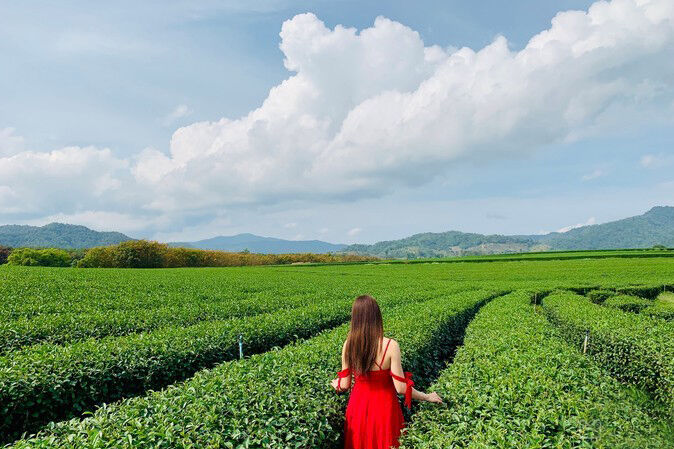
655	227
265	245
444	244
57	235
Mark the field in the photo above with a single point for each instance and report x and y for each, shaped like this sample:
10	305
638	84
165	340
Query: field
145	358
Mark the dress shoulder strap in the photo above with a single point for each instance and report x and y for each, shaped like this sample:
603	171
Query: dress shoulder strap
384	355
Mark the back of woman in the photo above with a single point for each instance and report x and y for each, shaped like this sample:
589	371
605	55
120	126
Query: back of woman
371	363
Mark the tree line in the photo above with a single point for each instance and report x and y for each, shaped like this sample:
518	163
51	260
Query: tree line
151	254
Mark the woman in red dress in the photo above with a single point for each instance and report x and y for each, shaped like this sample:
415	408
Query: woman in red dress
374	419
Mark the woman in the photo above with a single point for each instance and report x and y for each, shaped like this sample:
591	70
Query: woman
374	419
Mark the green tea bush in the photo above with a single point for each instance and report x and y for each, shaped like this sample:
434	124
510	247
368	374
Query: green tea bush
643	291
49	257
637	349
275	399
659	311
599	296
628	303
515	384
661	307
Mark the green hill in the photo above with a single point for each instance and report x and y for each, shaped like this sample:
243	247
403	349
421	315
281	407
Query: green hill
57	235
445	244
655	227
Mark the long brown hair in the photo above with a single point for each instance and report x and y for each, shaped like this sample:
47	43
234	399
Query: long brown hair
367	330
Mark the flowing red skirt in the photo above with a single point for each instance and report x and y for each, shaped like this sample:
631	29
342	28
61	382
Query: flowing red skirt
374	418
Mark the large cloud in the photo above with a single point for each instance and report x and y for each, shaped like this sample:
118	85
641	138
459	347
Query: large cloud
62	181
366	112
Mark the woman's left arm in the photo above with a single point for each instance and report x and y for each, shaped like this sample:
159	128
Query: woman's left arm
343	381
403	384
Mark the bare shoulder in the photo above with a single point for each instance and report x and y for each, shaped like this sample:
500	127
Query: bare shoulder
393	345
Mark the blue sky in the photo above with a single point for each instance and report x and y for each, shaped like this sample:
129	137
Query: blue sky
91	96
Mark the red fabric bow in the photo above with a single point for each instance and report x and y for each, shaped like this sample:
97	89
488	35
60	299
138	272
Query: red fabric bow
408	390
341	375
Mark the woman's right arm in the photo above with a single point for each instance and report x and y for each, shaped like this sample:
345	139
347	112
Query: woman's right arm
342	384
401	387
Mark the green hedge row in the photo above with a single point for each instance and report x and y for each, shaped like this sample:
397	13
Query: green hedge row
648	307
275	399
515	384
62	328
659	310
599	294
628	303
663	307
645	291
637	349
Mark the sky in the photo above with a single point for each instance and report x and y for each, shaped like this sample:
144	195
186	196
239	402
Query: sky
345	121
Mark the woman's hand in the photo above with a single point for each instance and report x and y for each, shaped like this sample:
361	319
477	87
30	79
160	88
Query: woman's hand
335	384
434	398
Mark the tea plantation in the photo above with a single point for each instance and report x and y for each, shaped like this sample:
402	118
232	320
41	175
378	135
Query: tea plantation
528	352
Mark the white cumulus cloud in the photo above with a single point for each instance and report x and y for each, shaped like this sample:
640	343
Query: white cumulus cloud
590	221
63	181
366	112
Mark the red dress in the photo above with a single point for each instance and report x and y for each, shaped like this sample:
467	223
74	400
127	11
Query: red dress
374	419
